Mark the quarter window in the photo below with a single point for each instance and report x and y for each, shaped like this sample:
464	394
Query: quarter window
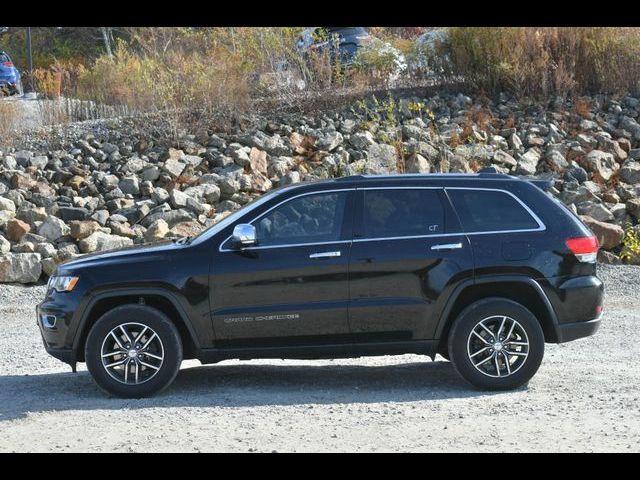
306	219
402	213
490	211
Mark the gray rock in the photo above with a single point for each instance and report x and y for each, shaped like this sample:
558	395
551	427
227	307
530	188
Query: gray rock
172	217
504	159
20	268
53	229
362	140
174	167
630	172
416	163
601	163
100	241
40	162
46	250
178	199
130	186
329	140
101	216
72	213
629	124
528	163
150	174
289	178
5	245
633	207
382	159
556	160
157	231
595	210
6	204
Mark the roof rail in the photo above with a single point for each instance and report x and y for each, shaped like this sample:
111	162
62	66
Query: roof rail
481	174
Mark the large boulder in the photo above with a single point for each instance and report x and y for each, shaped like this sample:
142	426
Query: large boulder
329	140
8	205
609	235
100	241
595	210
157	231
20	268
528	163
82	229
601	163
382	159
416	163
16	229
53	228
630	172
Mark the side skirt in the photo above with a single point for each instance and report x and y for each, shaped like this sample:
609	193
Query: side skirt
315	352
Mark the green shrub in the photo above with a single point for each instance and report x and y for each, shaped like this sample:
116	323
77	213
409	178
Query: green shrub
631	245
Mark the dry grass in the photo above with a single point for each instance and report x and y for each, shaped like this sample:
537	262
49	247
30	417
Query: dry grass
537	62
8	125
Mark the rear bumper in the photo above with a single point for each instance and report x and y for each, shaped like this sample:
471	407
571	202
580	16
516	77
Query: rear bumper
567	332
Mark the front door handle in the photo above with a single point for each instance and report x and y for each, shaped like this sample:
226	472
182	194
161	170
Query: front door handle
447	246
325	254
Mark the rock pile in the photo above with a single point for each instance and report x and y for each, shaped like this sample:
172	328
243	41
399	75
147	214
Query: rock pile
113	189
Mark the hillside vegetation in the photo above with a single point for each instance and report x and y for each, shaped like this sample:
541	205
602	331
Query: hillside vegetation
219	70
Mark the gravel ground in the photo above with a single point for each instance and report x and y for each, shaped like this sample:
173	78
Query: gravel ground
585	397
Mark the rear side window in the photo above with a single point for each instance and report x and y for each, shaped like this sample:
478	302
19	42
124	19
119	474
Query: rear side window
402	213
490	211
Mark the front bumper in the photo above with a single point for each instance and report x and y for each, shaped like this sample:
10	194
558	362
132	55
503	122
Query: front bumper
58	338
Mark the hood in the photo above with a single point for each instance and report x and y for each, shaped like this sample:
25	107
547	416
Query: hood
129	255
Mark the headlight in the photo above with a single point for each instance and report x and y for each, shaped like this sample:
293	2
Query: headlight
63	284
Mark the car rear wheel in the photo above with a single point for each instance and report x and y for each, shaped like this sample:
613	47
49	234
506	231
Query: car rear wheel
133	351
496	344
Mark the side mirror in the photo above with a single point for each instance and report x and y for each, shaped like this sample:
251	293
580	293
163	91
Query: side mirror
244	235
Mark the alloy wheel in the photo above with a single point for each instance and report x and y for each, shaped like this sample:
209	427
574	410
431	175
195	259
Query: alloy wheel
132	353
498	346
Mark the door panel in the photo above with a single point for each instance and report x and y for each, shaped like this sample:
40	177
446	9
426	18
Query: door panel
395	284
281	293
408	249
292	288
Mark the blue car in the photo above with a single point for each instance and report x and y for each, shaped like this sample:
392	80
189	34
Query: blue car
10	83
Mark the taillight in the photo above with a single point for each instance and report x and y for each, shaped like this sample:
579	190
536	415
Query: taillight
7	64
584	248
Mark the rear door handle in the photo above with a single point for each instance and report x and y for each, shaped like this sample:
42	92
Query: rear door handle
325	255
447	246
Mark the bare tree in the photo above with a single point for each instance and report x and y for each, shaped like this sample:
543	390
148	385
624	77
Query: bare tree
107	37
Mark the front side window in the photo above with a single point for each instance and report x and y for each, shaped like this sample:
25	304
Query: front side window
402	213
490	211
306	219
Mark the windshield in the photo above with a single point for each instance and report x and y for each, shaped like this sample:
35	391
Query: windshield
235	216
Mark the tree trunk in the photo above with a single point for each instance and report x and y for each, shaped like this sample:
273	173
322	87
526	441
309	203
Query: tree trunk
107	41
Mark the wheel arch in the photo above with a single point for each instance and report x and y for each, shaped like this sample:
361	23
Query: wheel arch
159	299
523	290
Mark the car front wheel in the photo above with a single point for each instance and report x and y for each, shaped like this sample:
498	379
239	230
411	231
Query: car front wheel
133	351
496	344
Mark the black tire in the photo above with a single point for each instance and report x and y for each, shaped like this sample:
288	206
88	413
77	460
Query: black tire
523	367
144	316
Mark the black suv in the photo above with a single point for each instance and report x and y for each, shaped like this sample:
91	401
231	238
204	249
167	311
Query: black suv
482	269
